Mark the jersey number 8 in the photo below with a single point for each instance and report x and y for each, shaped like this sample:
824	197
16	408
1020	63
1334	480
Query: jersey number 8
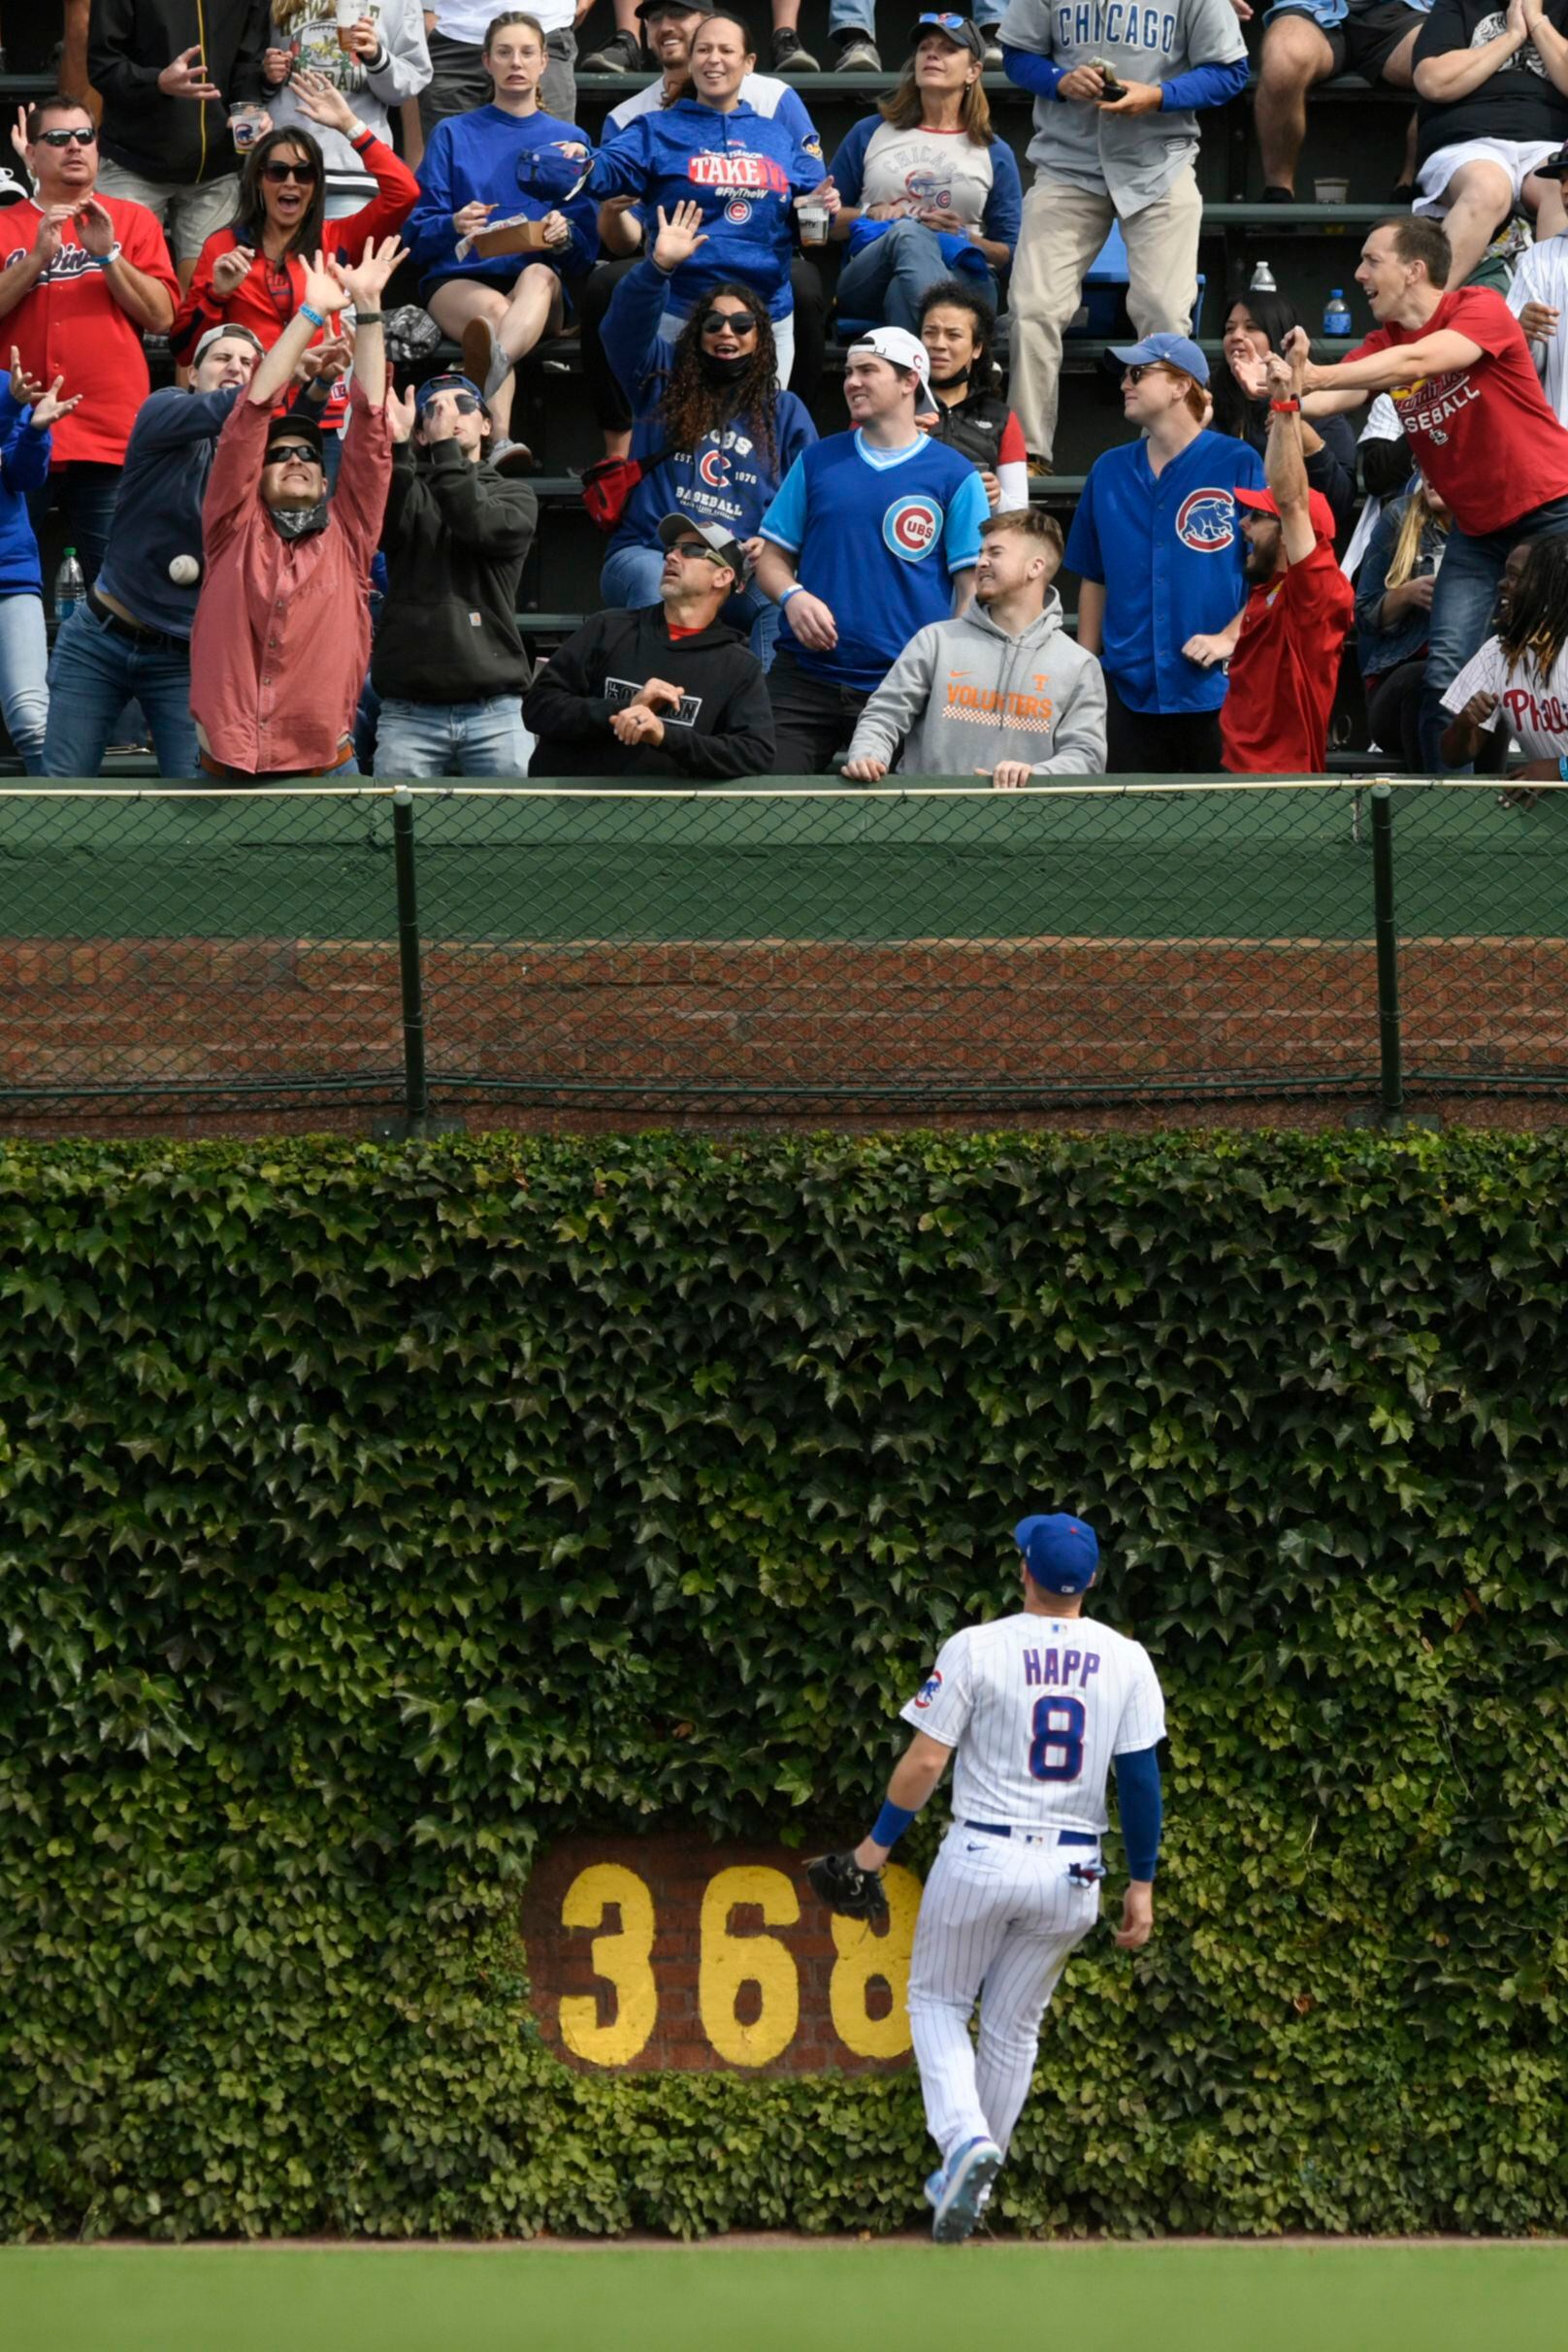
1056	1749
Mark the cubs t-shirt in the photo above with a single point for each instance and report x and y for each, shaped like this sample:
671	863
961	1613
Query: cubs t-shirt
1483	435
1169	552
879	534
1530	706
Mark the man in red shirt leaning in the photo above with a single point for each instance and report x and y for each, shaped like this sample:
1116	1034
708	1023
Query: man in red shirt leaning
1274	719
1476	422
84	278
283	637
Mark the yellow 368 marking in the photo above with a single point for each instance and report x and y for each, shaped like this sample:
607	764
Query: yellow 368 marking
749	1984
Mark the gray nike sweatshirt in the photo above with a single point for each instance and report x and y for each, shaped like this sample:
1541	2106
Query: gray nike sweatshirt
963	695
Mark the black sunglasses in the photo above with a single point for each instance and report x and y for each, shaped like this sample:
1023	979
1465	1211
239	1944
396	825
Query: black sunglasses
463	401
63	139
278	453
1135	375
277	172
740	323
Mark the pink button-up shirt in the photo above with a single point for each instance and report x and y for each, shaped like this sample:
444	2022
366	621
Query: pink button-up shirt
282	635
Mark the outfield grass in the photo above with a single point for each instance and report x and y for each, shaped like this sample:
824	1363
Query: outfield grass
801	2298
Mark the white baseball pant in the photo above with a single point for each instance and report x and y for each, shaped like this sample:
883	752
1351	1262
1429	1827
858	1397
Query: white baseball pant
998	1921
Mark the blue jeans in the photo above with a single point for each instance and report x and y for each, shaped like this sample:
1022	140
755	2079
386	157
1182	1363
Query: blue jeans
486	739
631	579
24	676
884	281
96	670
84	492
1462	614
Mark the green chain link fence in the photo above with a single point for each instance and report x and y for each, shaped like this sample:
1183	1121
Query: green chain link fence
771	951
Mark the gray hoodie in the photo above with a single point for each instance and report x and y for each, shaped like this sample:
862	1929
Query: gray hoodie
963	695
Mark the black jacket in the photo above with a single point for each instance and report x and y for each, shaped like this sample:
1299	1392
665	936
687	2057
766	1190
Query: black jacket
974	426
723	728
173	140
455	538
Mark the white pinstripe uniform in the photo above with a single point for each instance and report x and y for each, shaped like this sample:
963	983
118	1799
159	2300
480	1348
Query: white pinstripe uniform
1037	1707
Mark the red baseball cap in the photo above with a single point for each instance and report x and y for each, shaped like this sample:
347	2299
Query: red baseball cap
1262	501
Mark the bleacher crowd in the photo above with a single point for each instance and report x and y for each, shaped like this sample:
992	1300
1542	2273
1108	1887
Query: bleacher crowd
295	564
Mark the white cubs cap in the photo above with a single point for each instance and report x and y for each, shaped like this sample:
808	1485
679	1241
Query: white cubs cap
900	346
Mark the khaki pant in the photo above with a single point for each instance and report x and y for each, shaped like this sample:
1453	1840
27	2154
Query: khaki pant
1064	229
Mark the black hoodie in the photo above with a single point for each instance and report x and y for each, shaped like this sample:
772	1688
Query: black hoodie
724	726
177	141
457	538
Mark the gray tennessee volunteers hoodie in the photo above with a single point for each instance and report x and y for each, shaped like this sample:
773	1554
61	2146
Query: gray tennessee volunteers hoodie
963	695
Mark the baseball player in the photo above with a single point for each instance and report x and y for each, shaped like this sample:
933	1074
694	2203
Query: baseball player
1117	89
1036	1706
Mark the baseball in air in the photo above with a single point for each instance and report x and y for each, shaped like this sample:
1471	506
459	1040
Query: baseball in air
183	569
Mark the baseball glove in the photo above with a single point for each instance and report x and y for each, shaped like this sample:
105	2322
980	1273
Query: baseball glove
847	1890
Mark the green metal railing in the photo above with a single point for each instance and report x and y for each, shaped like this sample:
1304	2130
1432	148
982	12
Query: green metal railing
776	951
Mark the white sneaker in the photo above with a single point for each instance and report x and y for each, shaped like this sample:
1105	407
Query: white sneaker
965	2186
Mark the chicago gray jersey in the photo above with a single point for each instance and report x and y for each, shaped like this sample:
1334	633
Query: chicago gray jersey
1134	157
1037	1707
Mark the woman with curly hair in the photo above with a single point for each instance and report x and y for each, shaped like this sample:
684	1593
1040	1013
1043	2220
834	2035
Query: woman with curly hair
1518	683
713	431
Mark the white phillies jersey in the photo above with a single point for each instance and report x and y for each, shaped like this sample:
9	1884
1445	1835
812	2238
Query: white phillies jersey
1037	1707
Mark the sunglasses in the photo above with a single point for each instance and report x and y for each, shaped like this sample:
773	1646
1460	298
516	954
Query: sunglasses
277	172
959	26
63	139
1145	366
463	401
738	322
694	547
278	453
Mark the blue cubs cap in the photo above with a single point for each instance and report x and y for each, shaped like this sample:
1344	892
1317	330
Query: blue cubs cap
448	381
1061	1553
1176	351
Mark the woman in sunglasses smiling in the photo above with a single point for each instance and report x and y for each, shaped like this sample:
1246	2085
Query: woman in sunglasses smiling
713	431
253	275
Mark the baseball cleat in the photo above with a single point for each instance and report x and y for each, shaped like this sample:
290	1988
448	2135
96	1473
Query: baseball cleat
934	2187
966	2185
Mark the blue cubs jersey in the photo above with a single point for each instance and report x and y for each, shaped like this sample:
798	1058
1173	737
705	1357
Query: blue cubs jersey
877	534
1168	551
744	169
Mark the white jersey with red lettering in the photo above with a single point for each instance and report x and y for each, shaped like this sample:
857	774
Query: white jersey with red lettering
1037	1708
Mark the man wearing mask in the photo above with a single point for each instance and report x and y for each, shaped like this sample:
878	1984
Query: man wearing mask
283	637
131	639
449	665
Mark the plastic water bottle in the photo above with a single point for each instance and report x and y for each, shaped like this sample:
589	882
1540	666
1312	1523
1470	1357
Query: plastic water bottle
70	587
1262	280
1336	319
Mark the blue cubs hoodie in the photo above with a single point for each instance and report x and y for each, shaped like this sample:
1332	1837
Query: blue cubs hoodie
520	163
24	461
744	169
726	478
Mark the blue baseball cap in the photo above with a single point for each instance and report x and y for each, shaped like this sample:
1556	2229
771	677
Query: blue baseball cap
1176	351
1061	1553
449	380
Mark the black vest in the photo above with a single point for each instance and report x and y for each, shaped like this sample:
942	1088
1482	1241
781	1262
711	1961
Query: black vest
974	428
